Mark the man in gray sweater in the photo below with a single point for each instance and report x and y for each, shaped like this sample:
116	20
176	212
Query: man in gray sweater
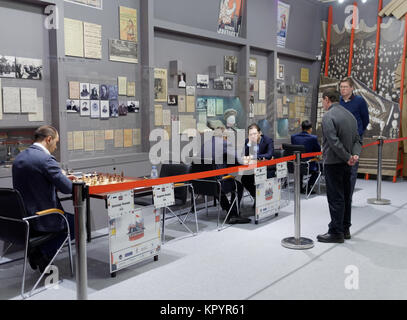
341	149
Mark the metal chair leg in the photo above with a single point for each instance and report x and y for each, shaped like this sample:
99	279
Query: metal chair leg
5	251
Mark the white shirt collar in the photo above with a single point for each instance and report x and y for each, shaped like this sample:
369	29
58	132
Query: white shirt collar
42	147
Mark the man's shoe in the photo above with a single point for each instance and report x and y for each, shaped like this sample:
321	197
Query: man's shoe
346	235
237	220
330	238
32	261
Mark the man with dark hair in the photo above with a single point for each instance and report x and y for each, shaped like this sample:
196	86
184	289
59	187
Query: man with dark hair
259	147
310	142
341	148
37	176
358	107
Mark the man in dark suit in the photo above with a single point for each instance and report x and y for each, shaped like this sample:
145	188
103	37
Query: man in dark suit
217	150
257	146
37	176
310	142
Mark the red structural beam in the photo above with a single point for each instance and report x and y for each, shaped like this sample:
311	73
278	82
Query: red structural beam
328	40
352	37
376	60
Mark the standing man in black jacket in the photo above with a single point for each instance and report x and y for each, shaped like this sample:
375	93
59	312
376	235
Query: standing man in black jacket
341	148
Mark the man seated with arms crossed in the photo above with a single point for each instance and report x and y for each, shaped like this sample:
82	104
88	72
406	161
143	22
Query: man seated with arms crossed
258	147
37	176
310	142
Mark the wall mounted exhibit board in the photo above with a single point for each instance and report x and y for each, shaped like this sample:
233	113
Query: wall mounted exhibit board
118	53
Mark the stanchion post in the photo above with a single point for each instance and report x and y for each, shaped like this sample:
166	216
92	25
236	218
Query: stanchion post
378	199
79	195
297	242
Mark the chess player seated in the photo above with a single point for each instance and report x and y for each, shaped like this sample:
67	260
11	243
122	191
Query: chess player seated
217	150
310	142
257	147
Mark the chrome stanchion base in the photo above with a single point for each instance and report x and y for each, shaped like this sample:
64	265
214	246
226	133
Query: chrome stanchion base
378	201
299	244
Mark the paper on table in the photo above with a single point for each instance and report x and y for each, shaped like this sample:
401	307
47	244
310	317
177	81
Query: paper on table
92	40
11	100
118	138
73	30
99	140
122	83
128	138
89	140
78	140
39	115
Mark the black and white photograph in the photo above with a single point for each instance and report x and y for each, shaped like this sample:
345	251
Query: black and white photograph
104	109
182	80
114	108
94	109
94	91
84	88
113	92
122	108
280	87
230	65
133	106
7	66
251	85
172	100
218	83
72	106
190	90
228	84
202	81
85	107
252	67
123	51
104	92
27	68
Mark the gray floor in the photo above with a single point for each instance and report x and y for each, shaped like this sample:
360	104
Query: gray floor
248	261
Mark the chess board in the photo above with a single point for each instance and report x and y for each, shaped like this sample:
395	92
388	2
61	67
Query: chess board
100	179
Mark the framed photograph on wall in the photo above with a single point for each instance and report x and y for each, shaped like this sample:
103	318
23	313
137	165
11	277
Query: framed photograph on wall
160	85
27	68
228	83
252	67
182	78
230	65
202	81
123	51
104	109
218	83
85	93
172	100
85	107
7	66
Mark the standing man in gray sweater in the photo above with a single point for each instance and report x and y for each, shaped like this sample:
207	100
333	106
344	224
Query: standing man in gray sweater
341	149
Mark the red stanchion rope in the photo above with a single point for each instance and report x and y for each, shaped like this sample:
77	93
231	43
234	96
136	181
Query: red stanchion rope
207	174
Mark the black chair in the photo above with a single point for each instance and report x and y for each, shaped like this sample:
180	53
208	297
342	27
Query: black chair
212	186
15	229
289	150
180	195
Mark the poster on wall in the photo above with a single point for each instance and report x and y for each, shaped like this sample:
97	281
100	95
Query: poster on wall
7	66
123	51
230	17
128	24
97	4
134	233
283	14
160	85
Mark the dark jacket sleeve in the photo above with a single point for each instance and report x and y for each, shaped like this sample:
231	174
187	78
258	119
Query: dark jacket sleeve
316	147
269	149
364	113
54	173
